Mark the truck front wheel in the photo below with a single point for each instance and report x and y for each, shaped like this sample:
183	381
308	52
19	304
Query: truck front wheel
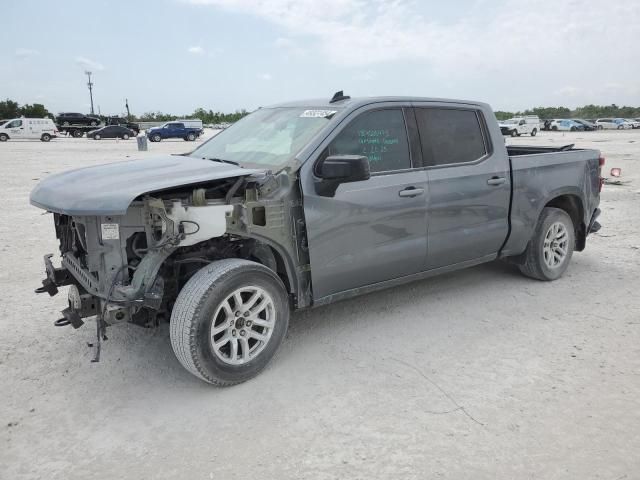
191	137
228	321
551	247
514	133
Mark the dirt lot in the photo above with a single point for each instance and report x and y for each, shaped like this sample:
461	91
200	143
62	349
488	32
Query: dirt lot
479	374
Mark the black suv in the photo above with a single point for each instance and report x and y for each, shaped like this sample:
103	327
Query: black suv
124	123
66	119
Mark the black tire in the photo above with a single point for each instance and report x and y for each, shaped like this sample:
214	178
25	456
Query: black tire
196	312
534	265
4	137
191	137
45	137
554	128
620	127
97	136
125	136
156	138
77	134
573	129
65	124
534	132
514	133
93	123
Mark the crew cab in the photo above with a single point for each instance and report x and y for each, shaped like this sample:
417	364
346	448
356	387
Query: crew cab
173	130
303	204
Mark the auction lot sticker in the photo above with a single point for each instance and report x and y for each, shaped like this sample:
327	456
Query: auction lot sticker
317	113
110	231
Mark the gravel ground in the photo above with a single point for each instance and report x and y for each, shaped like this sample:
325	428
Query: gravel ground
479	374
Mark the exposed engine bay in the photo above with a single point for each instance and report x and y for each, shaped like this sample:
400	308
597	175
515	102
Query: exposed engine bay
130	268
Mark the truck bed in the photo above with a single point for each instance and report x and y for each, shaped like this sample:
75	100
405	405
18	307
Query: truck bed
539	174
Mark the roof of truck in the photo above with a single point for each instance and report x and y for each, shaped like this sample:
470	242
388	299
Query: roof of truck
356	102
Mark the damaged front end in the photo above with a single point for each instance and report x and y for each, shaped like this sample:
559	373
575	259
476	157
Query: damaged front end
131	267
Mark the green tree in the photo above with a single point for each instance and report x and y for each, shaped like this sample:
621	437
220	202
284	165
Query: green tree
9	109
500	115
37	110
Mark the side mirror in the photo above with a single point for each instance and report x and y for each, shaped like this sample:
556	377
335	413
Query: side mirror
337	169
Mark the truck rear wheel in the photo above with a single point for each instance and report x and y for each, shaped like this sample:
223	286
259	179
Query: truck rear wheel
551	247
228	321
156	138
191	137
534	132
45	137
77	134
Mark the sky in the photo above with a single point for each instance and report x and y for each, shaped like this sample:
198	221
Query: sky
177	55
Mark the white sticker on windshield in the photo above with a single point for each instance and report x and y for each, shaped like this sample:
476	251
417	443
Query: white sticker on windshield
110	231
317	113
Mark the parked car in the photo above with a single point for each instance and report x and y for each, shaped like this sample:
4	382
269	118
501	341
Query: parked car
635	123
28	128
111	131
517	126
303	204
174	130
566	125
67	119
588	126
613	123
124	123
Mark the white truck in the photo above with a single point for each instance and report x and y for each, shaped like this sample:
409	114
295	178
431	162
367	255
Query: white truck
28	128
516	126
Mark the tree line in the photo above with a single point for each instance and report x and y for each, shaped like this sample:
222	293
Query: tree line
207	116
587	111
11	109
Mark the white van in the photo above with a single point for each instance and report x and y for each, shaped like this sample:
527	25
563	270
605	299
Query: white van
40	128
516	126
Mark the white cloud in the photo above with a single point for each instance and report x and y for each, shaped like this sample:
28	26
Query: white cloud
265	76
26	52
196	50
289	46
365	32
89	64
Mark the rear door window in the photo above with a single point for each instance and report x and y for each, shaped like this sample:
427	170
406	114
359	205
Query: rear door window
379	135
450	136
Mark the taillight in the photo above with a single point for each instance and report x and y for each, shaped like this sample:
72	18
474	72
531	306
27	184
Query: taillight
600	165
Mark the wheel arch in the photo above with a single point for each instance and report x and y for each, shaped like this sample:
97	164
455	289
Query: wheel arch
574	206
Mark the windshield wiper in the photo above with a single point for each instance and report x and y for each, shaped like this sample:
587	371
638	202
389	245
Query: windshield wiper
222	160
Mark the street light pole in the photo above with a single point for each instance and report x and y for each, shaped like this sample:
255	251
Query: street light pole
90	85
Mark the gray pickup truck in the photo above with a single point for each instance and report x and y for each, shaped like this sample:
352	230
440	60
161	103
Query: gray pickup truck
302	204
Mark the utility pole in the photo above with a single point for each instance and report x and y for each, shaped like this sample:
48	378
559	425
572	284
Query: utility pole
90	85
126	104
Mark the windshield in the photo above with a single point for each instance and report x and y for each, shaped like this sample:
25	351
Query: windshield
269	137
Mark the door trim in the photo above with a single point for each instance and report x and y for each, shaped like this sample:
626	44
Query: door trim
355	292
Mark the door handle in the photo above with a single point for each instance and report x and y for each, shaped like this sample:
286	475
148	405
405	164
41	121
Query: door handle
411	192
496	181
